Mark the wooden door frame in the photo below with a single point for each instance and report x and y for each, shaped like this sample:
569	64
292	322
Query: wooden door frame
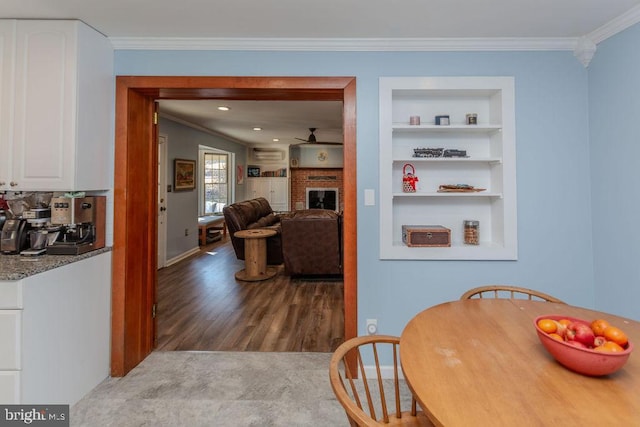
162	189
133	283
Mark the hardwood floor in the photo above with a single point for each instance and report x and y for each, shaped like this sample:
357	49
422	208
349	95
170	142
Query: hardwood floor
201	306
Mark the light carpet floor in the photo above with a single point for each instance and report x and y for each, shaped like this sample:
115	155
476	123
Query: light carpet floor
216	389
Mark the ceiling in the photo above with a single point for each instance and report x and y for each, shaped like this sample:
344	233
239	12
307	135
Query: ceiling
329	18
284	120
382	21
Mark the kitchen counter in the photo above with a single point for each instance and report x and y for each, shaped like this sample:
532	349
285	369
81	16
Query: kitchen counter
17	267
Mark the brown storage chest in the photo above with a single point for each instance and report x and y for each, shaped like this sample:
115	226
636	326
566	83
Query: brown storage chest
426	236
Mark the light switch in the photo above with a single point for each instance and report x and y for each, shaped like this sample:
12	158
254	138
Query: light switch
369	197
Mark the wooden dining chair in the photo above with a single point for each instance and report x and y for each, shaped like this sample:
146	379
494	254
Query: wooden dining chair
502	291
381	398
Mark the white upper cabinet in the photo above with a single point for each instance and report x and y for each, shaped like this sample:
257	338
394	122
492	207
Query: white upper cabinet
489	163
7	60
63	95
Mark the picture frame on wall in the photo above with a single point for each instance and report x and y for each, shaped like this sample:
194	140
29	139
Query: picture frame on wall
184	175
240	175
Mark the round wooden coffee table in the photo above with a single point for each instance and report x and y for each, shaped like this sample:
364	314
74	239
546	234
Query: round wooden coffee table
255	255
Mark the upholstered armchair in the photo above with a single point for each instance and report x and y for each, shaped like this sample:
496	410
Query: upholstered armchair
254	213
312	242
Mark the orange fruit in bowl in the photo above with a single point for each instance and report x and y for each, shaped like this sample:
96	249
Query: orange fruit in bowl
556	337
598	326
548	325
615	334
609	347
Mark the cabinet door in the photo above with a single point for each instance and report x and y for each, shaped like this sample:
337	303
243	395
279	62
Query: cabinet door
7	59
258	187
279	194
45	105
11	294
10	337
10	387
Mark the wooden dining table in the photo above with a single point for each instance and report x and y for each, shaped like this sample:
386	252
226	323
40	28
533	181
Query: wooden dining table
479	362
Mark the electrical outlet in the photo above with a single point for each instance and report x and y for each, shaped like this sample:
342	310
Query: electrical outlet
186	231
372	326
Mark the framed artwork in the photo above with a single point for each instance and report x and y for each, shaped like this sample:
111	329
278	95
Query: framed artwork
184	175
240	175
253	171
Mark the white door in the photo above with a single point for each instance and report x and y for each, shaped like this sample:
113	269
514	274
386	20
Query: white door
162	201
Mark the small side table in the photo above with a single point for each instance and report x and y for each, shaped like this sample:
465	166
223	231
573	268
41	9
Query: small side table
255	255
207	223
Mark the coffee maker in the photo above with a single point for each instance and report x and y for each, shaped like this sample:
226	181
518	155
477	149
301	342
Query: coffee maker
13	238
37	220
82	221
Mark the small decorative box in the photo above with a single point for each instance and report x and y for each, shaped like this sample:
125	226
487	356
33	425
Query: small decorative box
426	236
442	120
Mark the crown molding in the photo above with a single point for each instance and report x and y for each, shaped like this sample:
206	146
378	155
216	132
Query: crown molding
615	26
348	44
585	50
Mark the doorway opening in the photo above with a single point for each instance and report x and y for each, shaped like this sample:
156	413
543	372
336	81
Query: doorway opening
135	192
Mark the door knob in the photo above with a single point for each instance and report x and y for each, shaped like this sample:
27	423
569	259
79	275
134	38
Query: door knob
162	209
13	183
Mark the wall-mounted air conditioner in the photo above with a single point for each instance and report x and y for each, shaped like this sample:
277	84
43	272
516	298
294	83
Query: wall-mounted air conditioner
268	154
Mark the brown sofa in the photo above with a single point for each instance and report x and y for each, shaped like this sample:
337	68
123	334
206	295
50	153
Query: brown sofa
254	213
312	242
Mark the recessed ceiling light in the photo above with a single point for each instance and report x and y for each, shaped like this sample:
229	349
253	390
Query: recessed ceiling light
223	108
257	128
276	139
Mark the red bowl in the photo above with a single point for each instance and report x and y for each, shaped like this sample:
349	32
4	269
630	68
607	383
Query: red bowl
582	360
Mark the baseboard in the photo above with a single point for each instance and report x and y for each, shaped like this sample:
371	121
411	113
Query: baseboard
385	371
183	256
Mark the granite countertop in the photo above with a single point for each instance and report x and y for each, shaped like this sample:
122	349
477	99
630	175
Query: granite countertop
16	267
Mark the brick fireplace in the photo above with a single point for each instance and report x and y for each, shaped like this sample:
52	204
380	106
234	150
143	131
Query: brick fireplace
303	178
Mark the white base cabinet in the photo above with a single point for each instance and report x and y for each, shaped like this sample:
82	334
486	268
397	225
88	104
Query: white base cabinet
57	102
275	190
10	332
489	164
10	387
55	332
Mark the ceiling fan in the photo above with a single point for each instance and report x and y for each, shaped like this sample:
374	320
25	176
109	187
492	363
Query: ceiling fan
311	139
